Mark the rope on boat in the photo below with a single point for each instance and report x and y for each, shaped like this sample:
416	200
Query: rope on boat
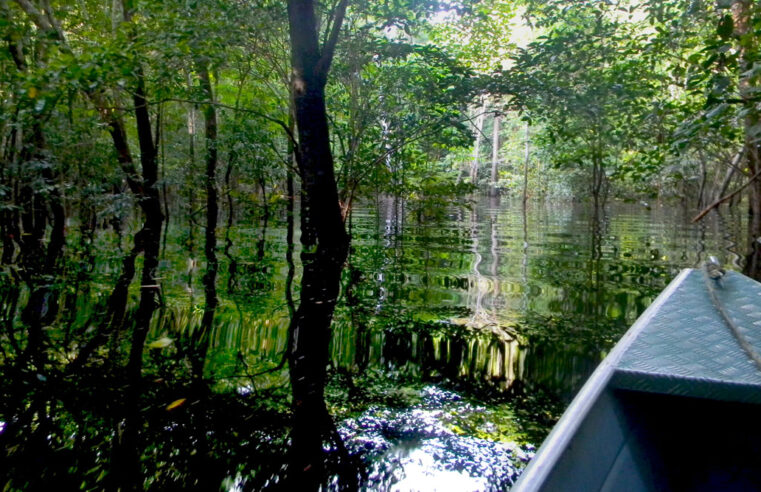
713	275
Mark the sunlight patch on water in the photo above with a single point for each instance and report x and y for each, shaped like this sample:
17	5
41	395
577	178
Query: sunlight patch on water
414	448
244	390
421	472
234	484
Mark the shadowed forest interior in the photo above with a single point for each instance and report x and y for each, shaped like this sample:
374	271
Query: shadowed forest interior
347	244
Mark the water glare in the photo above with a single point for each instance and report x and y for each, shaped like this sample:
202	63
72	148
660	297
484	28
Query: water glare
419	449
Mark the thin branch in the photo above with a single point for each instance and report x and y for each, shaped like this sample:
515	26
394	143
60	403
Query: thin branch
44	21
726	198
328	24
328	50
470	119
51	18
38	17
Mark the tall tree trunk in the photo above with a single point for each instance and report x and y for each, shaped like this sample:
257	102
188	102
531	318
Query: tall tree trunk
525	167
323	238
190	183
233	265
201	338
477	146
126	462
743	12
261	245
292	161
494	156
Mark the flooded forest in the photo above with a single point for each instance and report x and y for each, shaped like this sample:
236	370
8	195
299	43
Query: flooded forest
347	244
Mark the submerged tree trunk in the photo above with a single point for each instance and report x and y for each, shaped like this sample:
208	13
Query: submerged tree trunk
494	157
261	245
37	205
233	262
126	464
525	167
201	337
38	261
599	178
323	238
292	161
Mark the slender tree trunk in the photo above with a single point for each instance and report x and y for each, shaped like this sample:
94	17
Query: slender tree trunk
7	226
527	155
292	161
596	183
477	146
323	237
190	183
233	266
126	463
201	339
261	245
494	156
289	245
703	179
743	13
149	289
165	195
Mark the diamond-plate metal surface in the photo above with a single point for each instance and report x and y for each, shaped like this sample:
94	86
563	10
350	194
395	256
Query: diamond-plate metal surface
741	298
688	348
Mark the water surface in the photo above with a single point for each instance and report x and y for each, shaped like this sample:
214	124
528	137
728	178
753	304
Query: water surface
460	336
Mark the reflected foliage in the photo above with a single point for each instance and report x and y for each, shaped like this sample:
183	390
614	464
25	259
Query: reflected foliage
512	319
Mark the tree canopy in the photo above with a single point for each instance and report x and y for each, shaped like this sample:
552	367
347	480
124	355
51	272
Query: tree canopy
138	137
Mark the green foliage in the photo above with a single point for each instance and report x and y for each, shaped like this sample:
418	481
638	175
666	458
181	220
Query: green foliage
399	107
589	85
655	97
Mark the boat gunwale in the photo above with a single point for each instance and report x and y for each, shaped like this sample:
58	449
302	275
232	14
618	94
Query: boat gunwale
553	447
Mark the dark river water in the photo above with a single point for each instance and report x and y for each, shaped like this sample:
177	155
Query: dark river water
509	310
457	342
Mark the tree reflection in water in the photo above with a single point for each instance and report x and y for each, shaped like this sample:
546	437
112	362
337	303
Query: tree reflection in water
753	260
553	304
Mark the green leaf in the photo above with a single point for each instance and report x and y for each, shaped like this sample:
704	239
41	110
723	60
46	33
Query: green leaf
175	404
